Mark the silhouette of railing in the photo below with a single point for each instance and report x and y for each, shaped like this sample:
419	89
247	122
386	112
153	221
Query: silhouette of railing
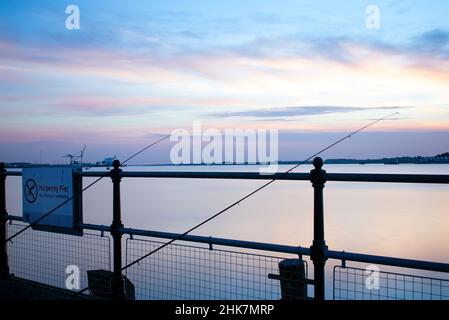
46	257
186	271
351	283
318	251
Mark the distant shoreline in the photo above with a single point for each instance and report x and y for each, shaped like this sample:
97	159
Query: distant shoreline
386	161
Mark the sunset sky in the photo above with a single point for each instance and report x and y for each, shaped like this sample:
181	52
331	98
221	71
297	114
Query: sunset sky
136	69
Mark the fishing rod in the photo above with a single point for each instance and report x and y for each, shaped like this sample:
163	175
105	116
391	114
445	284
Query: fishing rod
233	204
82	190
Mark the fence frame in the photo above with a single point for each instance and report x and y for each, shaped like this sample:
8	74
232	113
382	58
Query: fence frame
93	251
384	280
210	249
318	251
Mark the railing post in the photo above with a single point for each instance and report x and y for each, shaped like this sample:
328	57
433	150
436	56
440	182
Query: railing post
117	281
78	198
4	269
318	249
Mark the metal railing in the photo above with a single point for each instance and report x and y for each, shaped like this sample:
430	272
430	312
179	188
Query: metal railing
318	251
49	257
350	283
193	272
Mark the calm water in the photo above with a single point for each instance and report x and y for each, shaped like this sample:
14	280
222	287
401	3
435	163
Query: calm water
403	220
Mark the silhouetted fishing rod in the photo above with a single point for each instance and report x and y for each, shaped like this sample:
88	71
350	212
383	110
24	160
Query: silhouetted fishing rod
232	205
84	189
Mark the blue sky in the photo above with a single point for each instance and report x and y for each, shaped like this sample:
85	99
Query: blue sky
136	69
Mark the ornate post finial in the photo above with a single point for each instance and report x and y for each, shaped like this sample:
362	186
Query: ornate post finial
318	163
116	164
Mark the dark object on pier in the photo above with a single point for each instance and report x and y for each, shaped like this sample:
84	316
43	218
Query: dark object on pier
100	284
293	277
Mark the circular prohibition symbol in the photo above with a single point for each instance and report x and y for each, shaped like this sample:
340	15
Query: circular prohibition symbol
31	191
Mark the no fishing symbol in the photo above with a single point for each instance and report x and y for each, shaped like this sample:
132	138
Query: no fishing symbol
31	190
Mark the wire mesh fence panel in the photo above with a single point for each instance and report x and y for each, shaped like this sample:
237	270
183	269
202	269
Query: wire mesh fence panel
361	284
193	272
54	258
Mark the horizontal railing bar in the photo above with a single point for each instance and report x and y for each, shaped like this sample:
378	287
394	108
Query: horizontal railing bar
202	175
95	227
348	177
388	177
354	177
15	218
199	239
12	173
220	241
338	255
390	261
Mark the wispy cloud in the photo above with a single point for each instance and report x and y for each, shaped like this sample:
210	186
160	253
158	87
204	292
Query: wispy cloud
434	43
299	111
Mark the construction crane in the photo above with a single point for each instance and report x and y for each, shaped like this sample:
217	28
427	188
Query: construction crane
77	157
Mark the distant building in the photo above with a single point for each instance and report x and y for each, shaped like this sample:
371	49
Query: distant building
108	161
